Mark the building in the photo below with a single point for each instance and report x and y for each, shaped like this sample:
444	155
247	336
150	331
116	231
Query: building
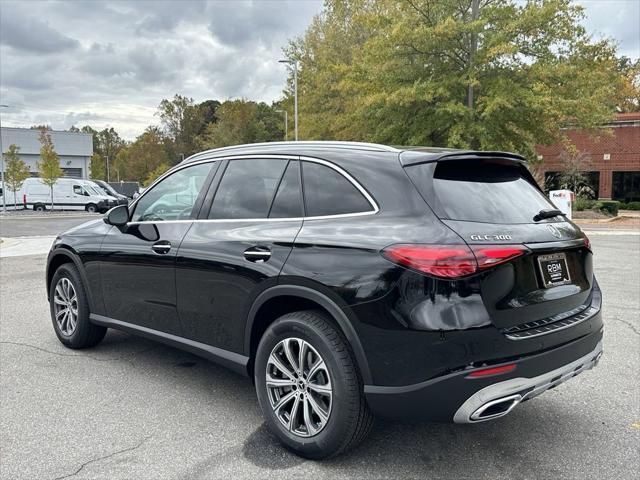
74	149
612	162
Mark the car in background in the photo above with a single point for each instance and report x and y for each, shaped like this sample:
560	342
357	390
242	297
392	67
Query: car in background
109	190
68	194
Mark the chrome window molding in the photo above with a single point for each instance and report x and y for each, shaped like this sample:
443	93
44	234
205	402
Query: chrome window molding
253	156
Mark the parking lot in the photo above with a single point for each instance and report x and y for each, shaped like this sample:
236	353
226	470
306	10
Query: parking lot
133	409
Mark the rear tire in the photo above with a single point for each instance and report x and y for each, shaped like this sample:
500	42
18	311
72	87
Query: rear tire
39	207
324	424
70	310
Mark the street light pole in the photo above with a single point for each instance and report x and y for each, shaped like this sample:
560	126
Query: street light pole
294	63
107	157
286	123
4	191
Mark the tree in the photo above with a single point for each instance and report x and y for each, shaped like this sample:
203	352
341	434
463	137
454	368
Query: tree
155	173
49	165
97	168
181	122
144	155
16	171
403	73
573	176
242	121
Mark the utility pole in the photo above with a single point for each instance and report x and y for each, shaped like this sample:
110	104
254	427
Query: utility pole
475	10
4	191
107	158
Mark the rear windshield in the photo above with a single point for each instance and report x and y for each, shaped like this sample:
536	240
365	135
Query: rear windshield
480	191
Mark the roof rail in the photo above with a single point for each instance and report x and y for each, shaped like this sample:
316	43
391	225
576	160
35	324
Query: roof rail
304	143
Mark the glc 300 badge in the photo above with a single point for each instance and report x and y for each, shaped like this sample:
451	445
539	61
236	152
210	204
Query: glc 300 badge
490	237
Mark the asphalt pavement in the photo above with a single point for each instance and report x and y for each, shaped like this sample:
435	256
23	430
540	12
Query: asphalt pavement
133	409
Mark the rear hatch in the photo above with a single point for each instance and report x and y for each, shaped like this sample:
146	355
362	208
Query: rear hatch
492	201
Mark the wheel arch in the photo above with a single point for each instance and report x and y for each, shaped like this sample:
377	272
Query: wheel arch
60	256
270	305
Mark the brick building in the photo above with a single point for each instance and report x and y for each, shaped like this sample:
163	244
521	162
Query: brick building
612	161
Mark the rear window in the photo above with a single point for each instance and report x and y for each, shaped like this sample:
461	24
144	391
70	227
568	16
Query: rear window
480	191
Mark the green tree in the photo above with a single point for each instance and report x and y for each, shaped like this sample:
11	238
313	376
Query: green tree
49	164
137	160
155	173
181	122
97	168
242	121
16	171
506	75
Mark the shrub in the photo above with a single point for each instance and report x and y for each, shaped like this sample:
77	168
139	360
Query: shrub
630	206
607	206
583	203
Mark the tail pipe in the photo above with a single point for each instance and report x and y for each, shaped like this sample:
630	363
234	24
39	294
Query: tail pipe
495	408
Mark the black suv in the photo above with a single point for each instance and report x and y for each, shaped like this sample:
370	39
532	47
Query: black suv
345	279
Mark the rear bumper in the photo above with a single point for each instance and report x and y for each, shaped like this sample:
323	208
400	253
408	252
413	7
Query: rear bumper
454	397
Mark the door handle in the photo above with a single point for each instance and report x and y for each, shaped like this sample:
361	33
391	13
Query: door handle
161	247
257	254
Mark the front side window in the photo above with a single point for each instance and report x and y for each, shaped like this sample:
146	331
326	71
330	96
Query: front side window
247	189
174	197
78	190
328	192
288	200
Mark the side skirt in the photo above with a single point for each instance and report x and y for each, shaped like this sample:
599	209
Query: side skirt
233	361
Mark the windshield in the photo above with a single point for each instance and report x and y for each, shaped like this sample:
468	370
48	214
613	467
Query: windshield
484	192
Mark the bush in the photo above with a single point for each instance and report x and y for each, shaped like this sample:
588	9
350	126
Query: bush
630	206
583	203
607	206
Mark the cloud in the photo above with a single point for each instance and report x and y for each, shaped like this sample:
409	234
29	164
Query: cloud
110	63
29	34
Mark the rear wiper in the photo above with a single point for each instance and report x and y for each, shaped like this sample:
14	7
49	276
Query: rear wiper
542	214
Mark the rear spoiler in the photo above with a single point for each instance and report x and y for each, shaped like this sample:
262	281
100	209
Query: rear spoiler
413	157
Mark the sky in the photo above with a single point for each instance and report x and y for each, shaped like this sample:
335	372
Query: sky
110	63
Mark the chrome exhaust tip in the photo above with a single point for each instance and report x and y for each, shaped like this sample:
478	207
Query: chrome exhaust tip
495	408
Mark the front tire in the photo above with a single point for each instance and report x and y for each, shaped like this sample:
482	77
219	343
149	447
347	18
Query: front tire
91	208
70	310
309	386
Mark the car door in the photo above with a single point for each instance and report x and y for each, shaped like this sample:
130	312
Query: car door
138	260
237	247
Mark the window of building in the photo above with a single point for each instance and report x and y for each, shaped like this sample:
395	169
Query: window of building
626	186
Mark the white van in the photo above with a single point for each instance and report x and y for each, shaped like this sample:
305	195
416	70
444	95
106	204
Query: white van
68	194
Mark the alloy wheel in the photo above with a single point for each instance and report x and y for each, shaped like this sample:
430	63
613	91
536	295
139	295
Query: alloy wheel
299	387
65	302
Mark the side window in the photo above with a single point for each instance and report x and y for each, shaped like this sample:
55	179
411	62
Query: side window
247	188
288	200
174	197
78	190
327	192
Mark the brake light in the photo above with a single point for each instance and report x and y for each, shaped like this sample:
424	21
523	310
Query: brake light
587	243
450	261
486	372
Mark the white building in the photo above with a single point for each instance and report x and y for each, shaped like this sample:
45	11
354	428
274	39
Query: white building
73	149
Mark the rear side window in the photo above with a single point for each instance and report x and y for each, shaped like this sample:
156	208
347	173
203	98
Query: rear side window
478	191
247	189
288	200
327	192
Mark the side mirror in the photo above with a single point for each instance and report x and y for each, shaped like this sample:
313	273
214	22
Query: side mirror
117	216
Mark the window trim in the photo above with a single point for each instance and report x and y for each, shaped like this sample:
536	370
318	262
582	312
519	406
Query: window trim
256	156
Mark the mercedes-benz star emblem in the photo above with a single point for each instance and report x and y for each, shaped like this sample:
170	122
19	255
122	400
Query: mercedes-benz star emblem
554	231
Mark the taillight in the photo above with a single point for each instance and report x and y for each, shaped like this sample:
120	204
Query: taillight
450	261
587	243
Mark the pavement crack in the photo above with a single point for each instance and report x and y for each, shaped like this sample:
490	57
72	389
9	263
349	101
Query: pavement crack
60	354
628	324
104	457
